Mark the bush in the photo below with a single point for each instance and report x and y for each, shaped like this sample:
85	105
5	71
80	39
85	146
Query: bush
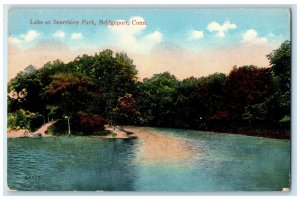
22	119
89	123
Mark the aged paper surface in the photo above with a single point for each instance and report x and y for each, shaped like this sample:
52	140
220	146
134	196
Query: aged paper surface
158	100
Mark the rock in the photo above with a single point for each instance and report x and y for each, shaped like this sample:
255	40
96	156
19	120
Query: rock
38	135
285	189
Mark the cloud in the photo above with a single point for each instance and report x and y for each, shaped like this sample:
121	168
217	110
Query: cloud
14	40
130	37
59	34
38	55
155	36
196	35
28	37
183	62
128	28
76	36
164	56
221	29
49	45
250	37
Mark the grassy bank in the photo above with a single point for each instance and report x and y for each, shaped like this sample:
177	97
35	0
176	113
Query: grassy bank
61	129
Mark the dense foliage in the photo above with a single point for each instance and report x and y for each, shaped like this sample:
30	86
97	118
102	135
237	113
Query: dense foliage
104	88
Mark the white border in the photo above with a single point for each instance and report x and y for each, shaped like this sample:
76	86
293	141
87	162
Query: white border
159	3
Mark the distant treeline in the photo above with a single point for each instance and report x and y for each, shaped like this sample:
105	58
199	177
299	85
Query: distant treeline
104	88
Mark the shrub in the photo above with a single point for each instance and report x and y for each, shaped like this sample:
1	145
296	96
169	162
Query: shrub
88	123
22	119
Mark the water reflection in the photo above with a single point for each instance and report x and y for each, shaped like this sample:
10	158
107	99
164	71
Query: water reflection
159	160
78	163
163	149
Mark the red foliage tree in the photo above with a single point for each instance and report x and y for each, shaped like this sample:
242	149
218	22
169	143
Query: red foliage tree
89	122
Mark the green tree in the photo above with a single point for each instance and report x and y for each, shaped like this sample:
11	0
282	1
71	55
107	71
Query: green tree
185	113
279	103
21	119
156	99
207	99
115	75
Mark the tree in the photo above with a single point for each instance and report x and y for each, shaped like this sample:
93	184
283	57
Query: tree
245	87
279	103
70	92
280	61
27	90
28	70
185	113
126	111
206	100
156	99
24	92
115	75
88	123
22	119
91	89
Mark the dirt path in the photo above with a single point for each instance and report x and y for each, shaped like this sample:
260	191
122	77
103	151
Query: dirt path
18	133
26	133
42	130
118	133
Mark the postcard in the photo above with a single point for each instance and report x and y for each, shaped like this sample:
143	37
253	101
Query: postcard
149	99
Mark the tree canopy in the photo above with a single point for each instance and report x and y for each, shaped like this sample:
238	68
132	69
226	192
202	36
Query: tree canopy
104	88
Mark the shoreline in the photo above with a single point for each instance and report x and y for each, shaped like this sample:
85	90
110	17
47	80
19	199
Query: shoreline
116	133
126	133
41	132
278	134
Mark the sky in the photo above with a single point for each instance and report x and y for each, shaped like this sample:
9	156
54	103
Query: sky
185	42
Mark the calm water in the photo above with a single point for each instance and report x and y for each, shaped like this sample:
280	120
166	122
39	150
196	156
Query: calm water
220	162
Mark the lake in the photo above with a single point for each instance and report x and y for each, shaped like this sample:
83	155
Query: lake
159	160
